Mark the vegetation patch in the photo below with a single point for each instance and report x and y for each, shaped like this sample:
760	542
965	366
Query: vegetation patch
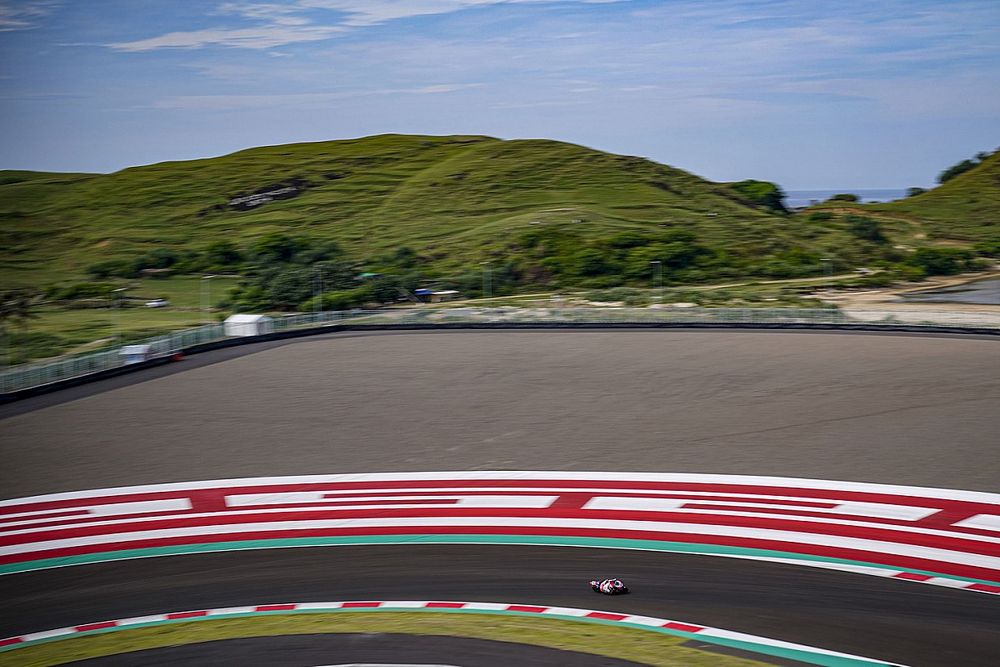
639	646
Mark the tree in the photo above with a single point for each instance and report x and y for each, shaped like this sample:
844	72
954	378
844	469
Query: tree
845	197
404	257
943	261
956	170
865	228
275	248
16	308
287	289
913	192
223	253
763	193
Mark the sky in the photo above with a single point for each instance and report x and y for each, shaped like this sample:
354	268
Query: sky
807	93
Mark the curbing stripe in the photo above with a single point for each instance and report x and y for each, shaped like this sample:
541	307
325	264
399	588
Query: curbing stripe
932	536
763	645
742	553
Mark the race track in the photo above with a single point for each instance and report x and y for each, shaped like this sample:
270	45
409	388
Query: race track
913	410
886	409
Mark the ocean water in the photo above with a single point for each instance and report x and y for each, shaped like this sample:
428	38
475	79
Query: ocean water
799	198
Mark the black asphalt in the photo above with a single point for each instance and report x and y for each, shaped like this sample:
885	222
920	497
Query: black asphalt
894	409
898	621
352	649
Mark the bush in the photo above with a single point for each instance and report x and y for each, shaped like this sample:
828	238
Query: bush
223	253
114	268
762	193
866	229
81	291
820	216
845	197
339	300
943	261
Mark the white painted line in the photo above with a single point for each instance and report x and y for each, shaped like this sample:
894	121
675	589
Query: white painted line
146	506
982	522
599	477
869	510
877	546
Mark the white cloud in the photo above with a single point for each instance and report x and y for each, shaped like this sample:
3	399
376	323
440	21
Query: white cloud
372	12
287	23
232	102
15	15
263	37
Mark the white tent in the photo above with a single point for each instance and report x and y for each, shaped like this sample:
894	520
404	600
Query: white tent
133	354
248	325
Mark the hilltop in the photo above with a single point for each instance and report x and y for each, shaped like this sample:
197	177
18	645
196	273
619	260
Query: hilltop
454	201
541	213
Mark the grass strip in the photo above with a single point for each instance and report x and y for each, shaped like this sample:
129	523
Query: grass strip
638	646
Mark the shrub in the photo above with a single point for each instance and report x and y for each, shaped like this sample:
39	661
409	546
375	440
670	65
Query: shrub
118	268
339	300
865	228
943	261
820	216
845	197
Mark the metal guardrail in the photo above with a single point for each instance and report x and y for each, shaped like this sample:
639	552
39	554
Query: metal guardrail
27	376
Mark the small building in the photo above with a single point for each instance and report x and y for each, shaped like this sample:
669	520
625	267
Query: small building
445	295
133	354
246	324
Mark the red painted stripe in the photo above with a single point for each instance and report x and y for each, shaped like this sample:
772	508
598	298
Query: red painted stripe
749	489
912	576
275	607
360	605
40	516
96	626
605	616
186	614
683	627
983	588
445	605
11	640
894	561
887	534
526	608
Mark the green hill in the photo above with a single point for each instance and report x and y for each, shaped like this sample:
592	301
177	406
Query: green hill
967	207
454	200
549	213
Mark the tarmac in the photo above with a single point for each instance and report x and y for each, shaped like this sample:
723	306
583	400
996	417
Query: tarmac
914	410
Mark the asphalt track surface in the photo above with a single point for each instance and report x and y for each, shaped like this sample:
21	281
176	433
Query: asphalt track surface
869	616
916	410
376	648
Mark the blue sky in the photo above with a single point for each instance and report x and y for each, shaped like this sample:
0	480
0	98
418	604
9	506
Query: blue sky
810	94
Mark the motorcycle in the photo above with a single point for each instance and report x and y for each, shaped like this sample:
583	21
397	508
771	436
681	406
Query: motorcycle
609	586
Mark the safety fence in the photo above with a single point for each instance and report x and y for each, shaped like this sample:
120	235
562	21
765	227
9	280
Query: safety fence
28	376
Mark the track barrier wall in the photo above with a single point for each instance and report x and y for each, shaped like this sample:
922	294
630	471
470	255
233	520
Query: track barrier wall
31	379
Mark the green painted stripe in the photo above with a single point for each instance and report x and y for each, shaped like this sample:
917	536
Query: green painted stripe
802	655
524	540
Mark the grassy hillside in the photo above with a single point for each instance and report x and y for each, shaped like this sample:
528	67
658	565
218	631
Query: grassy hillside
963	210
552	213
966	207
454	200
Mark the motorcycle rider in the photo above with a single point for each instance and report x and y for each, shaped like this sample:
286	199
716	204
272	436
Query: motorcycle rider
608	586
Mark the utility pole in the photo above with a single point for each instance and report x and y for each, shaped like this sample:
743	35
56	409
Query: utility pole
659	277
827	273
117	305
487	280
206	297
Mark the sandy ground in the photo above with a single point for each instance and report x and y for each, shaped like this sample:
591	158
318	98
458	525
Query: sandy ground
890	302
880	408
